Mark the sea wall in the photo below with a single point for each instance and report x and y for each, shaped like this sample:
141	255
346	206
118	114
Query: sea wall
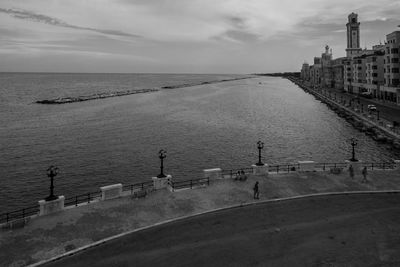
375	129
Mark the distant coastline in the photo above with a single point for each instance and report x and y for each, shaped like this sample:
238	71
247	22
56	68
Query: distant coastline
67	100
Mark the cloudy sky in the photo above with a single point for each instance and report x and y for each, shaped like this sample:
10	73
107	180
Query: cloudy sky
185	36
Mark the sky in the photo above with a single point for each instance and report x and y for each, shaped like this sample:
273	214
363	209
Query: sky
182	36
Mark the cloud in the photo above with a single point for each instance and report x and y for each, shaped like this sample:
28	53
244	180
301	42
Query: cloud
28	15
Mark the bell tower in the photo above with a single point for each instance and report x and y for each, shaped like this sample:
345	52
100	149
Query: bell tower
353	36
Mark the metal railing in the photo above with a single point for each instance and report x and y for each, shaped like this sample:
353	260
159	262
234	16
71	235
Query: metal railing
80	199
190	183
19	214
144	186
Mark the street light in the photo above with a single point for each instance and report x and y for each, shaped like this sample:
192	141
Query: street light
260	146
353	144
162	154
51	173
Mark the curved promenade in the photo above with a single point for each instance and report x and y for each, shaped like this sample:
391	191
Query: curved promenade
334	229
48	236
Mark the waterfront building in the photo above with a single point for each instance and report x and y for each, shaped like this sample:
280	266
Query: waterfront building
390	91
315	72
326	68
305	72
338	72
374	71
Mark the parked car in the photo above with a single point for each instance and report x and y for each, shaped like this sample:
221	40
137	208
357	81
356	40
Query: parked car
371	107
366	95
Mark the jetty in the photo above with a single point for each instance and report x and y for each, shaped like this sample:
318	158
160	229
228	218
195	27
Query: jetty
67	100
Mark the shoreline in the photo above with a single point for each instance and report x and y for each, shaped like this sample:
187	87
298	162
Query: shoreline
67	100
371	128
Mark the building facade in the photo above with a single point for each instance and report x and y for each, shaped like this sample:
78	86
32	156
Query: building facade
371	73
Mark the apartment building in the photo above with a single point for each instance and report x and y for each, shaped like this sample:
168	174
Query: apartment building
338	72
374	71
390	91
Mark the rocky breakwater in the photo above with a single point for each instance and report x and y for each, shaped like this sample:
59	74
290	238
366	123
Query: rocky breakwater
360	121
66	100
202	83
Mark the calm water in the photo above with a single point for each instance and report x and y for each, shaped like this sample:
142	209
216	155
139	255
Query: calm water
114	140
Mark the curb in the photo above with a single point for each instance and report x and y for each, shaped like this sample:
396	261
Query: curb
105	240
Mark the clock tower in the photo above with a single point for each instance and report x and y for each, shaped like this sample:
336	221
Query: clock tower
353	36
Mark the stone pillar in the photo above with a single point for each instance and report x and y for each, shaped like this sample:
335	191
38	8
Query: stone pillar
111	191
164	182
397	163
47	207
306	166
260	170
215	173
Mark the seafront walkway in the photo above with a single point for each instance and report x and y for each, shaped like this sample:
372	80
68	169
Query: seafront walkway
48	236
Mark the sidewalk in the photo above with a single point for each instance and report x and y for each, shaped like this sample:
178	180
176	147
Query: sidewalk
52	235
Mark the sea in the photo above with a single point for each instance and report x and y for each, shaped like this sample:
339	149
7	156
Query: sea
116	140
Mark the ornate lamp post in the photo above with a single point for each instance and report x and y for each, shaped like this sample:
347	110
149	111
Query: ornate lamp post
162	154
353	144
51	173
260	146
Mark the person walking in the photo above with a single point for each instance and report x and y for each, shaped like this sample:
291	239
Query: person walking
351	171
256	191
364	173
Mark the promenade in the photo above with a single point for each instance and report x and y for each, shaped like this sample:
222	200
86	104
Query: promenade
48	236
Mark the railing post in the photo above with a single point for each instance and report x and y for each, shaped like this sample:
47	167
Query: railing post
372	166
208	181
131	189
231	174
384	165
288	168
190	184
142	186
8	217
76	201
335	166
88	198
323	167
23	213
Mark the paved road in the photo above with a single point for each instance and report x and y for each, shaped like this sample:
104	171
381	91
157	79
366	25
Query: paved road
387	111
351	230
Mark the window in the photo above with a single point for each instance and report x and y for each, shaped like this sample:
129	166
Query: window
359	61
387	50
359	80
375	67
373	59
395	82
374	74
395	60
395	70
374	82
395	51
359	68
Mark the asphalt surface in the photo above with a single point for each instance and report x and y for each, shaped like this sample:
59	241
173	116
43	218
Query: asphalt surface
348	230
387	110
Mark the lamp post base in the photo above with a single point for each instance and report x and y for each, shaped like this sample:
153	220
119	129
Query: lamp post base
260	170
51	206
357	165
163	182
